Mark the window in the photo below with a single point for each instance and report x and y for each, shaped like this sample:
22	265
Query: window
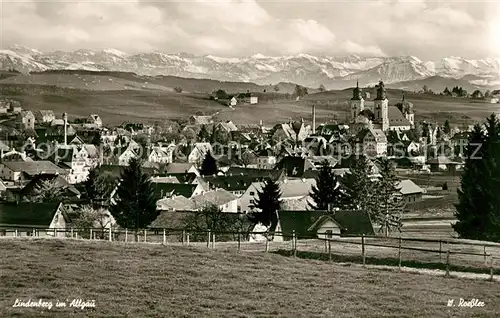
329	234
252	193
252	201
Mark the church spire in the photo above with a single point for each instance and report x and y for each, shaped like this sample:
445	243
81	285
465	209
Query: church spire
356	93
403	97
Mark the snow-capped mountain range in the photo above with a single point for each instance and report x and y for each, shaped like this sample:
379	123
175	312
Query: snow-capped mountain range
303	69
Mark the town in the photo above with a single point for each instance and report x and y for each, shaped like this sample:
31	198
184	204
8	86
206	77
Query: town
51	163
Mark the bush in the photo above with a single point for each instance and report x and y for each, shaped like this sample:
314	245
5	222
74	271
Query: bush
178	90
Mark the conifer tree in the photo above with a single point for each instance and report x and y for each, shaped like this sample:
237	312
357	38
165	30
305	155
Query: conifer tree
135	199
204	135
327	191
209	165
357	184
446	127
478	208
389	202
268	202
95	187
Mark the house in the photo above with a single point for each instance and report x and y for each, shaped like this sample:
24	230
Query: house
266	159
125	156
69	192
254	100
66	214
346	163
26	120
94	120
311	224
74	159
233	101
224	200
26	216
199	152
410	191
165	190
161	154
200	120
290	189
4	107
44	116
374	142
176	203
14	106
443	163
227	126
176	168
19	171
295	166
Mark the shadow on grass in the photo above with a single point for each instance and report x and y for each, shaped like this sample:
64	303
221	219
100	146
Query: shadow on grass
388	261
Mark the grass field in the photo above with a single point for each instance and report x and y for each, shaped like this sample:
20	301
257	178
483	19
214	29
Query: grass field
125	96
153	280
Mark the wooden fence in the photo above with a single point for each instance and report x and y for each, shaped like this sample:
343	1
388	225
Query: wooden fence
461	255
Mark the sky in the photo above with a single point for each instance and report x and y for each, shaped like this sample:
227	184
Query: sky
429	30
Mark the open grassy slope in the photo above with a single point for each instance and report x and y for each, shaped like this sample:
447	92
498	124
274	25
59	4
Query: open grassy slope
163	281
126	96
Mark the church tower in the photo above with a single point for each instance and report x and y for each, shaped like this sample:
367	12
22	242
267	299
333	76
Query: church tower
381	104
357	103
407	110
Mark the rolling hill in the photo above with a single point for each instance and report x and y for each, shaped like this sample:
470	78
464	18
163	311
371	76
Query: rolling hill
118	96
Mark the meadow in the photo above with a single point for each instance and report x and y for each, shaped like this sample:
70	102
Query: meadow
172	281
117	97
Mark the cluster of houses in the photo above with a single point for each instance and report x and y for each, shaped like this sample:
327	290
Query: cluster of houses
290	153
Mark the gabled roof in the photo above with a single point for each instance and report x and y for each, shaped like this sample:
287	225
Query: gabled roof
294	165
218	198
176	167
176	203
231	183
27	214
300	221
34	167
291	187
355	222
168	189
257	173
396	118
182	177
408	187
57	180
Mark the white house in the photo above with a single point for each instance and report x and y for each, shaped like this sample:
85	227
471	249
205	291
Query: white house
374	142
124	157
44	116
254	100
226	201
94	119
291	189
161	154
75	158
233	101
199	151
20	170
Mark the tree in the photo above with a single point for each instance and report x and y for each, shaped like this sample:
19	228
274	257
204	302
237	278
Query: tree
357	185
221	94
487	94
446	91
97	139
478	208
268	203
46	191
425	89
390	202
98	188
322	88
203	134
247	157
135	199
209	165
93	218
178	89
300	91
446	127
477	94
327	192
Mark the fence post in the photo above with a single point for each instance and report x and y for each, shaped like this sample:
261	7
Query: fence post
15	233
164	237
213	240
55	232
110	234
491	268
399	253
187	238
145	239
448	262
363	248
72	235
329	251
126	235
183	236
34	232
91	234
239	241
440	243
485	261
208	241
294	244
267	244
326	246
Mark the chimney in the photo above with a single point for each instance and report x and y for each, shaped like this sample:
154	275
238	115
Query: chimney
65	118
314	119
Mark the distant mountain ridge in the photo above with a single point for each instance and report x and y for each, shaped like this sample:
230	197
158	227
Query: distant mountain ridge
303	69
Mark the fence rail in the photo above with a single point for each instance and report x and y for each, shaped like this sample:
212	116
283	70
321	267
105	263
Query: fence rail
468	255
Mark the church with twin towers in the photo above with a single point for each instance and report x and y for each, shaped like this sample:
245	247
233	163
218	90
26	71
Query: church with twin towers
378	114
